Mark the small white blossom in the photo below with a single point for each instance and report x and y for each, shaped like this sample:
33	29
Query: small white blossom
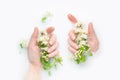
84	36
23	43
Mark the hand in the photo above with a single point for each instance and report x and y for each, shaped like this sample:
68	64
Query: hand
34	50
92	38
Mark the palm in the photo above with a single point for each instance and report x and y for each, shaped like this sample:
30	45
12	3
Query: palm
92	38
34	50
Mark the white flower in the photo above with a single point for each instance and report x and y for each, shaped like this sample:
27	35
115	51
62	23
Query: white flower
79	25
44	38
24	43
45	42
84	36
83	42
85	31
78	30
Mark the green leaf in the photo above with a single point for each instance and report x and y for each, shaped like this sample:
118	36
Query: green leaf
41	45
78	60
86	47
81	48
47	65
49	73
21	46
91	54
58	59
44	19
83	59
45	53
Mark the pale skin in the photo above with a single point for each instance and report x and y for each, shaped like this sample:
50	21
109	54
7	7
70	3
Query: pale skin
92	38
34	53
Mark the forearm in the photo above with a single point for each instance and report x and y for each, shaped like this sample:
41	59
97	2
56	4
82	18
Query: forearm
33	73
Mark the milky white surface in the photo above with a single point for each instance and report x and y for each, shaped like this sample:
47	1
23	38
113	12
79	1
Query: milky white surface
18	18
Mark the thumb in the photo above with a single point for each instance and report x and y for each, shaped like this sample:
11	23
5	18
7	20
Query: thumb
34	36
93	40
91	32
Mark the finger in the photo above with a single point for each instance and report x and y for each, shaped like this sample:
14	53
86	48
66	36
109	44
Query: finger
53	54
33	40
53	48
92	38
72	49
72	34
72	18
49	30
91	32
72	44
52	39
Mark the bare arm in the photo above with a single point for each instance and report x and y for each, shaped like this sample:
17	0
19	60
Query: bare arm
33	56
34	71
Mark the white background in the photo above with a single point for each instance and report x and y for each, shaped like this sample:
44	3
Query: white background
18	18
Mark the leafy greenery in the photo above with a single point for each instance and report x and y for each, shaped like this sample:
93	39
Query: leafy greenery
43	19
21	46
23	43
91	54
46	16
41	45
82	53
82	41
47	62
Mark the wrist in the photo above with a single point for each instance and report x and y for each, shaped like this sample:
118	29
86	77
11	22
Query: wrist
35	67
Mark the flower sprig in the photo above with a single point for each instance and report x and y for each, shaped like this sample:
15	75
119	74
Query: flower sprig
47	62
46	16
42	42
82	42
